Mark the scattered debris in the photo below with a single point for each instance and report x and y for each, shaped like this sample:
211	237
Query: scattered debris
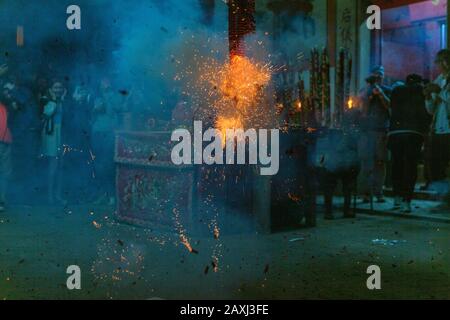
385	242
297	239
96	224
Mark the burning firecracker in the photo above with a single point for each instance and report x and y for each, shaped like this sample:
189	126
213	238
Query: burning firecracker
325	68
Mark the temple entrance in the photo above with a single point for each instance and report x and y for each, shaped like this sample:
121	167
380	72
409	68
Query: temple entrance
412	33
413	29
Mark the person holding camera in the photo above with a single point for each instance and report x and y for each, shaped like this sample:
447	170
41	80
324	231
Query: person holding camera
375	115
437	96
52	146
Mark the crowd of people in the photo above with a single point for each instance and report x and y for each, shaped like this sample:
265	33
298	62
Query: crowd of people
59	137
56	140
410	121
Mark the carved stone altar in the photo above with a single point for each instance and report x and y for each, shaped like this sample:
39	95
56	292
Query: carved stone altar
151	191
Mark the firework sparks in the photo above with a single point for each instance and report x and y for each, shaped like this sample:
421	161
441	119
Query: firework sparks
234	89
216	233
223	124
241	81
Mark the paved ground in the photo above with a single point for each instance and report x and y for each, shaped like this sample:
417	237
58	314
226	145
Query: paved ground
122	262
436	211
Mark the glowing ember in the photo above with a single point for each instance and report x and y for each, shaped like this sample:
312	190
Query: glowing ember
216	232
299	105
223	124
186	243
215	264
96	224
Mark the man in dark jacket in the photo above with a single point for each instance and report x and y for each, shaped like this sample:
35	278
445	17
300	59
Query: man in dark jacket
409	124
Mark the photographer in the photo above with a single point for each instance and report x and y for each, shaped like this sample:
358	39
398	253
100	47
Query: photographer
437	96
52	146
375	100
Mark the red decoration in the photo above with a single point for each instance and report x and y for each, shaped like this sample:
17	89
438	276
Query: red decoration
241	23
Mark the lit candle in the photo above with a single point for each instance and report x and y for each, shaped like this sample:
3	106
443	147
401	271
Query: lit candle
350	104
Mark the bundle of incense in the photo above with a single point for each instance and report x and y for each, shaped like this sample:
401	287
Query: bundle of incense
316	85
325	71
311	116
313	76
340	92
287	96
301	100
348	79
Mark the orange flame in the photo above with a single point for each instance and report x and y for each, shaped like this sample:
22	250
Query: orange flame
239	84
223	124
241	81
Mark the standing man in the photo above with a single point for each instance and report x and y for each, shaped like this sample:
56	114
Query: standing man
105	119
5	154
438	105
5	147
374	126
409	126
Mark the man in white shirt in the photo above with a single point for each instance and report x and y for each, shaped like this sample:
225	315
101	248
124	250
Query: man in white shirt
438	105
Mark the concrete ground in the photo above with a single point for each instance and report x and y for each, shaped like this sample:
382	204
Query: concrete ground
124	262
428	210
